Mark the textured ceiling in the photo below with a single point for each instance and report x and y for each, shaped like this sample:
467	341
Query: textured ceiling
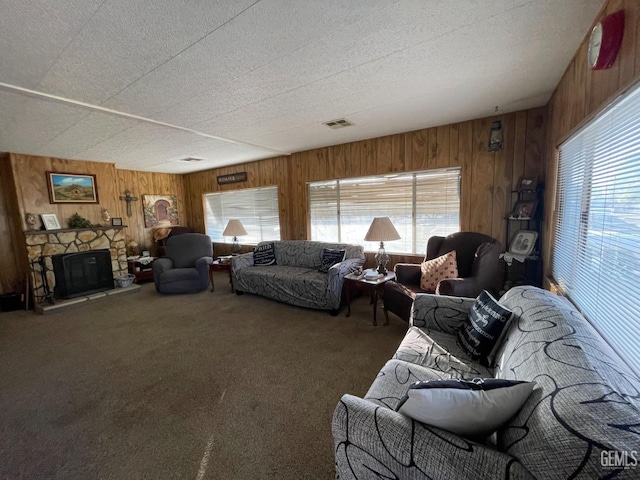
145	83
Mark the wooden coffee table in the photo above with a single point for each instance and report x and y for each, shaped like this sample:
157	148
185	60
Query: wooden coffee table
218	266
374	287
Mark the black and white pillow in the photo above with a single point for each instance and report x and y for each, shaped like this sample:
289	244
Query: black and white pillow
481	334
471	408
264	254
330	256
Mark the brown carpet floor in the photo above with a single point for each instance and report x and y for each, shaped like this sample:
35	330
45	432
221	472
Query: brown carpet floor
201	386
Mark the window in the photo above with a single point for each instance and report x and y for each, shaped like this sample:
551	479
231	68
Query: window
257	209
420	204
596	243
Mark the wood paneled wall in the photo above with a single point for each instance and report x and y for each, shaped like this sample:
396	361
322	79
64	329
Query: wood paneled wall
582	93
13	260
23	190
33	194
146	183
487	178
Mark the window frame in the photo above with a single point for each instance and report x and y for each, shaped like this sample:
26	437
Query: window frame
248	220
417	208
594	181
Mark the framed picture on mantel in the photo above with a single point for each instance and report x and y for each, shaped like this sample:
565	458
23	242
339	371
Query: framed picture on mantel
50	221
71	188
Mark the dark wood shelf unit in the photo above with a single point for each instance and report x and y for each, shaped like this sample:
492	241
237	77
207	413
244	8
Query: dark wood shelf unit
529	272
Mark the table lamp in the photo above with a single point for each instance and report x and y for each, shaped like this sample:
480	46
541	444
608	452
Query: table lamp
234	229
382	230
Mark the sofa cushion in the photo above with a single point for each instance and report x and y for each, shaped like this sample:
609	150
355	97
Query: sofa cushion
294	285
586	403
395	378
473	408
330	257
440	352
440	268
308	253
481	335
264	254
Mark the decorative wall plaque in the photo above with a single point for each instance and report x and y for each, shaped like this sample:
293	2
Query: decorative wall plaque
232	178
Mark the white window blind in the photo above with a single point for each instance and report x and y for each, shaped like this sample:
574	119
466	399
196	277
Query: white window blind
596	243
420	204
256	208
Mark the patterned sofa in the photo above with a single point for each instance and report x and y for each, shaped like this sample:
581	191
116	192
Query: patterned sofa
581	420
296	279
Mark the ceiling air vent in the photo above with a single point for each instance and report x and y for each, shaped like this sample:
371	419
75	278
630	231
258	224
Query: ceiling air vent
190	159
339	123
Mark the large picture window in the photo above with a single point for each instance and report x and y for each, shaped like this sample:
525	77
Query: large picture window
420	204
256	208
596	242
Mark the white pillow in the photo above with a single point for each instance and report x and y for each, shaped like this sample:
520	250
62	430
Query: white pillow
472	408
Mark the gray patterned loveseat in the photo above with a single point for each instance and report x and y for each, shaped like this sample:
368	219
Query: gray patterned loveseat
295	278
581	421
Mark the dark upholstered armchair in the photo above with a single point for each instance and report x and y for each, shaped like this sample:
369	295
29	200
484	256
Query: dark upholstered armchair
478	262
185	268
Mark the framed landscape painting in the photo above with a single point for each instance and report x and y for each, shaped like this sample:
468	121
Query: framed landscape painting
72	188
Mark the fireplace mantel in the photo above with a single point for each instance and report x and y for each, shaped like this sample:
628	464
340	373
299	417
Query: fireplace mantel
58	230
43	244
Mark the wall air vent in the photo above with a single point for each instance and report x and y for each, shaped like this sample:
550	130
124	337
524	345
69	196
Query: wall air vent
339	123
191	159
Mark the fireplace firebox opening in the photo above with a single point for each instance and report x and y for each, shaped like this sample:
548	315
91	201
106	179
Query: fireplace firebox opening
82	273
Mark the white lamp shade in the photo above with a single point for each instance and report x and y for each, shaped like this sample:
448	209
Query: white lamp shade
381	230
234	229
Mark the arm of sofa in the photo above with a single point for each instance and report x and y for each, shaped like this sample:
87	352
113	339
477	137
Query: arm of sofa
407	273
335	279
446	314
374	441
238	262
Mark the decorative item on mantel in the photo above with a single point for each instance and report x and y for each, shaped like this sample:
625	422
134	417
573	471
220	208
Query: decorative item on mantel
50	221
76	221
382	230
105	215
31	220
234	229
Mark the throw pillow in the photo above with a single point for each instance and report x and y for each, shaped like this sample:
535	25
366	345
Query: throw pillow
330	257
471	408
264	254
440	268
481	334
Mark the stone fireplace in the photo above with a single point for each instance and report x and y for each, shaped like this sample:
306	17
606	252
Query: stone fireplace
42	245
